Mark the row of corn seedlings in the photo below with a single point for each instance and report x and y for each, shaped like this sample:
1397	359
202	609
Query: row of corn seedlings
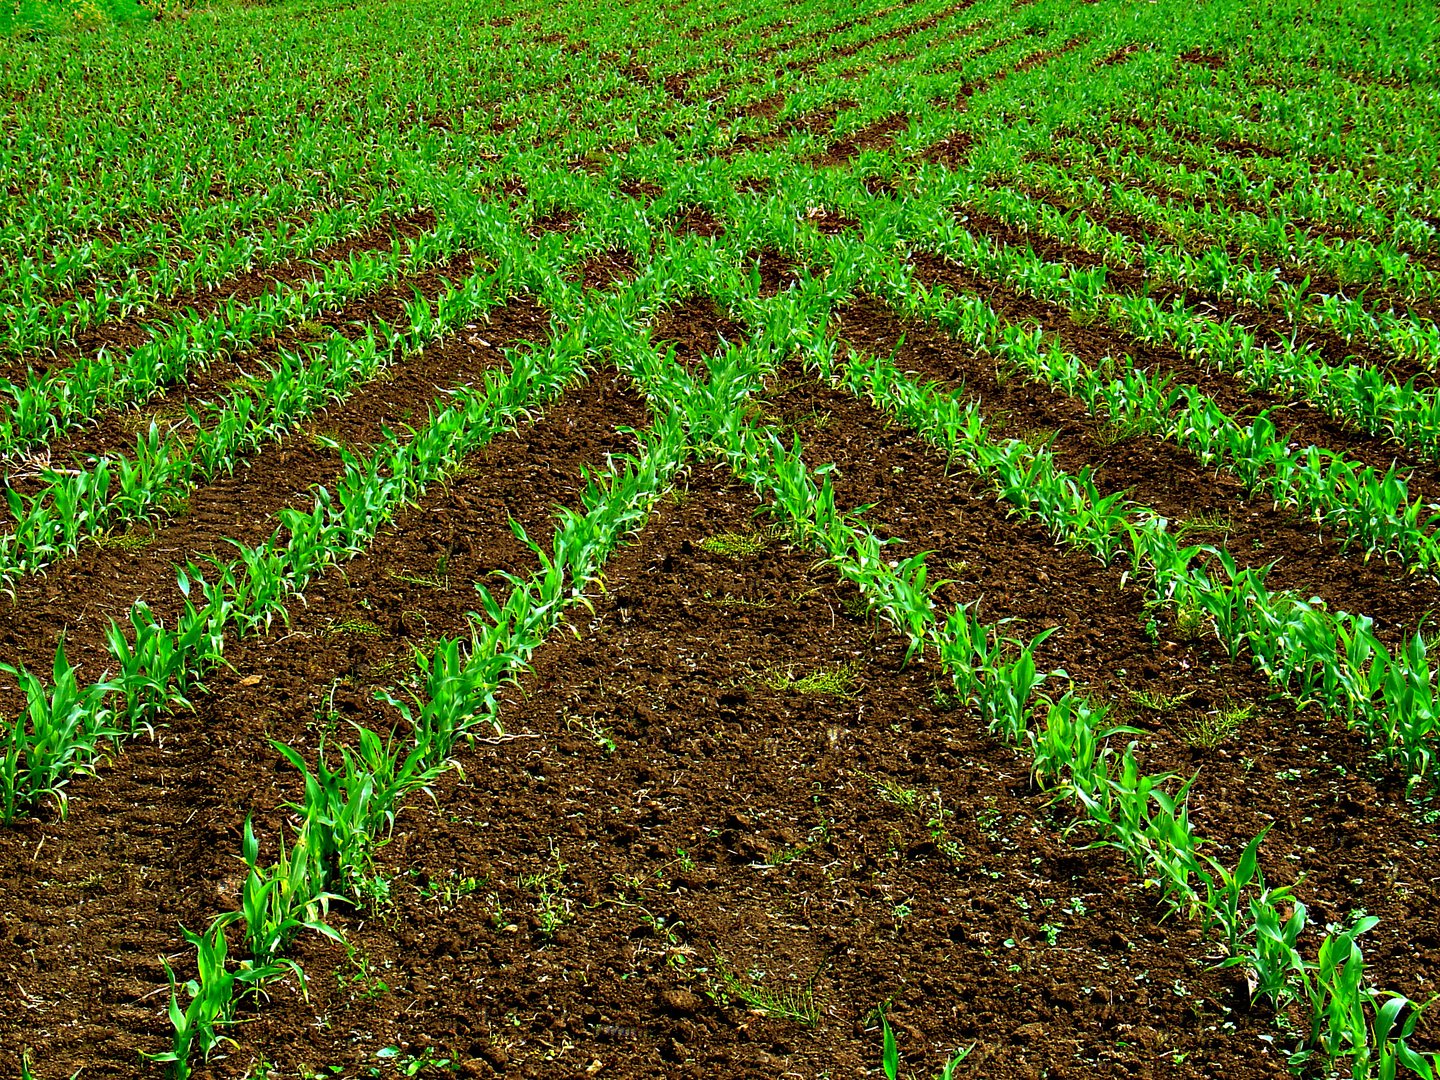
107	264
1352	1024
76	505
49	405
1281	187
158	668
32	320
1216	271
1330	658
1373	508
1143	814
123	182
1099	182
1361	503
1354	393
295	134
351	798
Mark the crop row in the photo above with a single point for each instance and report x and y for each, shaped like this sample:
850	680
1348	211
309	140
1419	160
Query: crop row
1144	815
156	667
33	320
1375	508
1179	201
1331	658
350	800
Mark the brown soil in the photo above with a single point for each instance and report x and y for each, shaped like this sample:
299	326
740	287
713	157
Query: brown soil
1201	58
606	270
126	334
1101	640
698	221
1303	423
879	135
692	813
79	597
1161	476
1119	56
766	793
153	841
777	273
696	329
953	151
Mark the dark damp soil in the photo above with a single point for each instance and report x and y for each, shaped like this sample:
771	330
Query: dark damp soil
606	270
1305	778
79	596
1298	421
695	329
673	808
697	221
152	842
641	189
128	333
777	273
877	136
1159	475
227	376
953	151
829	222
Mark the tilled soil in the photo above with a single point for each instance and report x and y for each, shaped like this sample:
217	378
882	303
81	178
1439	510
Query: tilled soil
1309	781
1157	474
81	595
673	809
153	842
127	333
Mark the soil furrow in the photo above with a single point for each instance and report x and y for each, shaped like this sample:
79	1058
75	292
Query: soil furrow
133	331
1157	474
1299	421
153	840
695	329
80	596
1307	778
685	810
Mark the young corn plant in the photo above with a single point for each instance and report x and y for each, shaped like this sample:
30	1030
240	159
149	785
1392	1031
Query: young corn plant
213	995
59	733
350	805
1350	1021
277	902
